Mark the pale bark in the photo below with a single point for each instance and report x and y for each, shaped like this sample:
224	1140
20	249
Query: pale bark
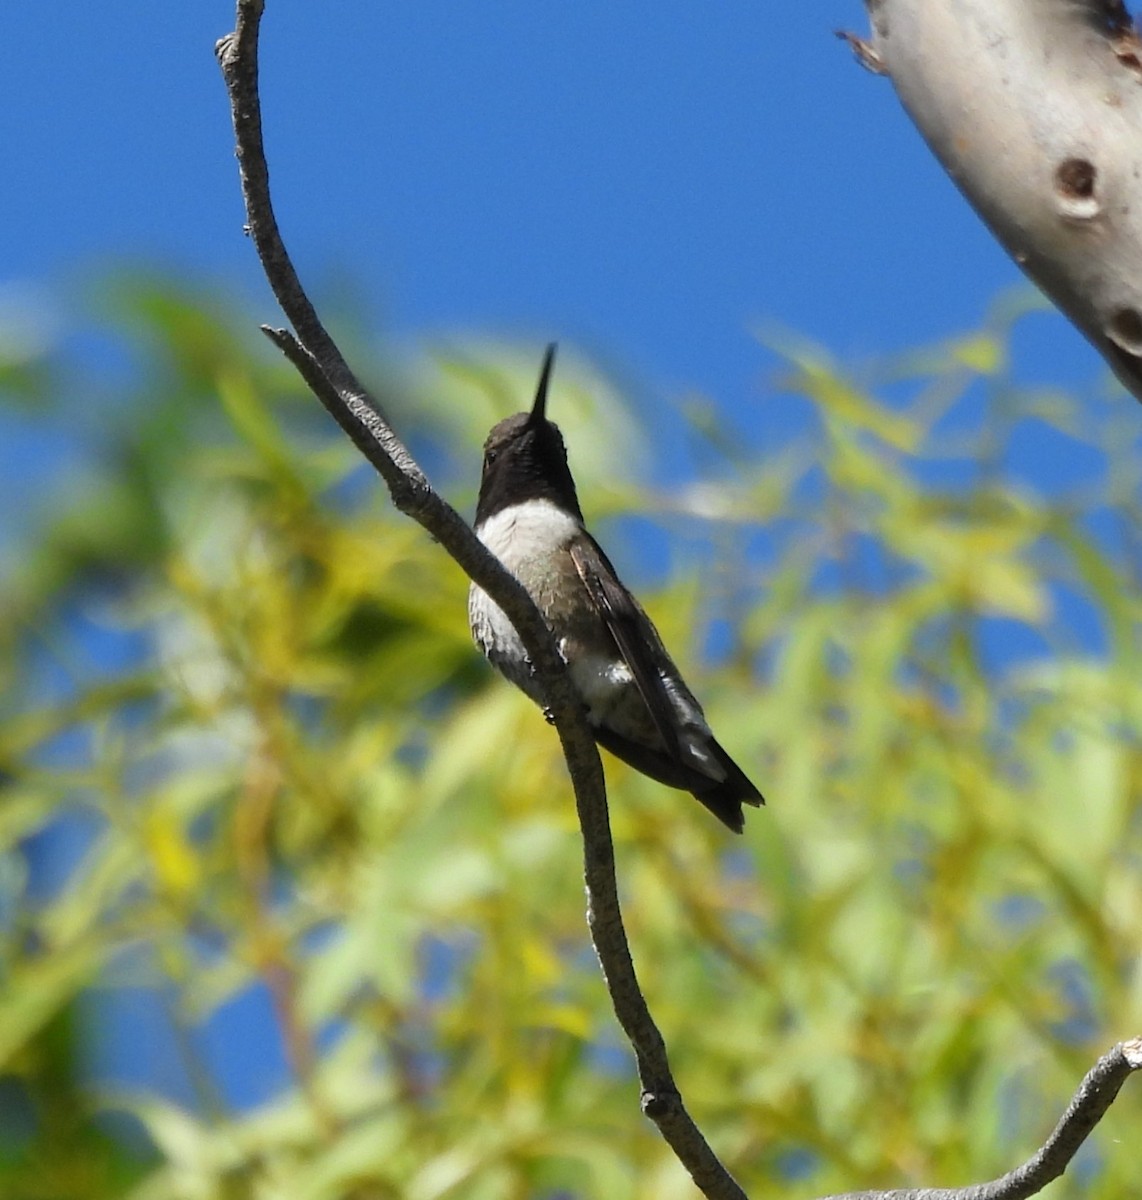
1034	107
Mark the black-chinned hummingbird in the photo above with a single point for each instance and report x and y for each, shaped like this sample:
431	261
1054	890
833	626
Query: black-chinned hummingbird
638	705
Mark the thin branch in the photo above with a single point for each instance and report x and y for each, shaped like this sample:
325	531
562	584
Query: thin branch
321	365
1095	1095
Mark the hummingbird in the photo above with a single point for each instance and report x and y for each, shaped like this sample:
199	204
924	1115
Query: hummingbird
637	703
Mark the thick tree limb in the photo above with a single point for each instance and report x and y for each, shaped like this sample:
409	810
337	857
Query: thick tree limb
320	363
1034	107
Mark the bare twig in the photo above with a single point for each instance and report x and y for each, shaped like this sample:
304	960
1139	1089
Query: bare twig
320	363
317	358
1095	1095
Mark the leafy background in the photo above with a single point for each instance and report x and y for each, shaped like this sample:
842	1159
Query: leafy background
290	894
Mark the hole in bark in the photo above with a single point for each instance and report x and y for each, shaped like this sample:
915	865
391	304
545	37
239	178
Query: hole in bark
1075	180
1125	331
1075	177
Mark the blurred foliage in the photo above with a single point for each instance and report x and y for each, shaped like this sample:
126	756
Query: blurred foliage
290	895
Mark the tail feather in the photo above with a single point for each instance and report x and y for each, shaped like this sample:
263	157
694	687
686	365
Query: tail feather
724	798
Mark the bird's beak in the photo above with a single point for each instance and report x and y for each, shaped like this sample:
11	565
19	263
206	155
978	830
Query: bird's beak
539	408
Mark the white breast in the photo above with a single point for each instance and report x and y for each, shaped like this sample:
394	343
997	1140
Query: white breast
518	536
525	531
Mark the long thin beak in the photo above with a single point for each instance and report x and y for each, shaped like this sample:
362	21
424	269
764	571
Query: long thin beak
539	408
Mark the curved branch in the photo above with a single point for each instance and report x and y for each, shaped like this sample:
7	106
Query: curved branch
1034	108
321	365
1095	1095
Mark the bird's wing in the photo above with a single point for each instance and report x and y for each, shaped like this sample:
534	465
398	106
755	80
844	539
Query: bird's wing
636	637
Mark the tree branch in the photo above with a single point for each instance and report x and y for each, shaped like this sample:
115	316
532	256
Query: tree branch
320	363
1095	1095
1034	108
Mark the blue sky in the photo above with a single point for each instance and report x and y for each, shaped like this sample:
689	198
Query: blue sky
652	183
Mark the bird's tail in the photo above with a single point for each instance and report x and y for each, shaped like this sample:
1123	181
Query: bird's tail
725	799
